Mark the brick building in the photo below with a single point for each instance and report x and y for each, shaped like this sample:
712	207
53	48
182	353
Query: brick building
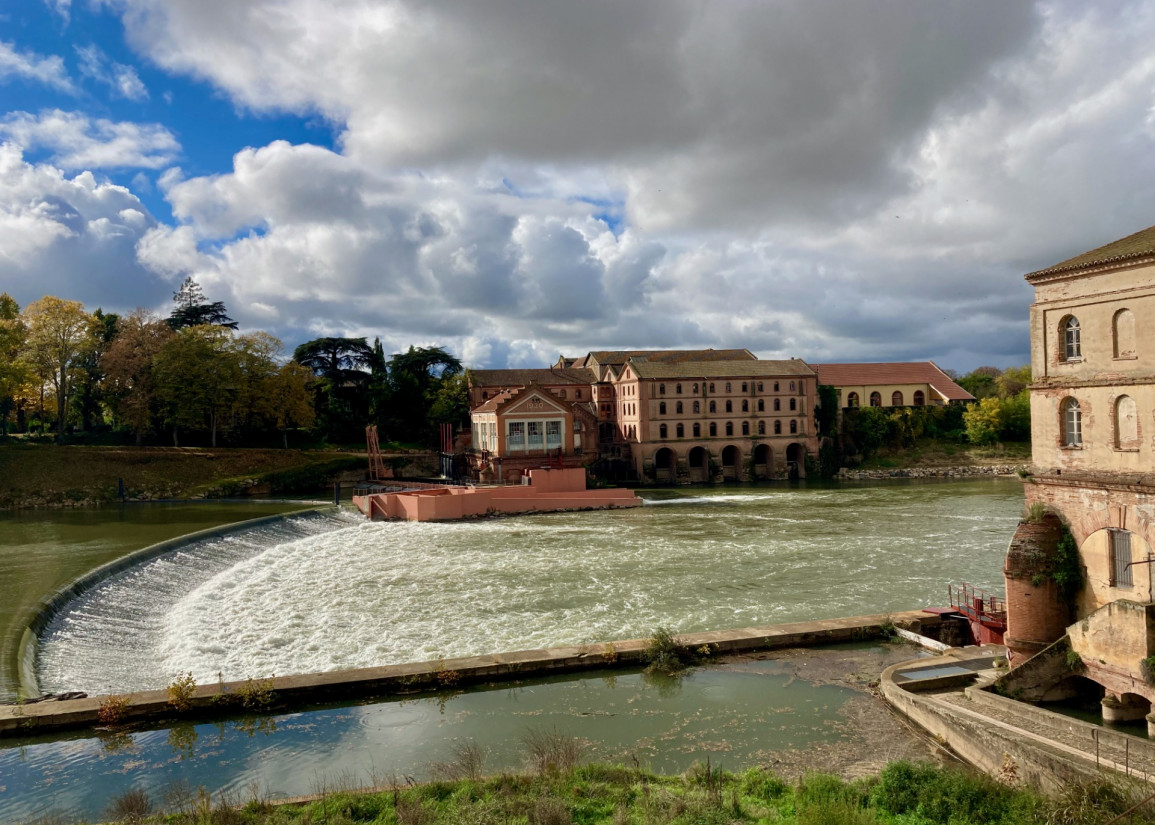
910	384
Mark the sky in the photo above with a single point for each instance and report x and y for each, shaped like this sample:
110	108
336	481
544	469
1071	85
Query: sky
519	179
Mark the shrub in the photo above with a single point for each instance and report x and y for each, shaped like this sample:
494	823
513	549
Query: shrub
256	695
131	806
762	785
1034	512
551	752
113	710
664	653
181	692
547	810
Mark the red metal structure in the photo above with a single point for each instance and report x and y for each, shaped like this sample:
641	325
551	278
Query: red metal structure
377	470
986	614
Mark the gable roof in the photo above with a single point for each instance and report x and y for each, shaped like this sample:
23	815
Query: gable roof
1134	247
915	372
705	370
522	378
617	357
527	395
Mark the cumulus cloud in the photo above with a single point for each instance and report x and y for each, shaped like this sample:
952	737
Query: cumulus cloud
30	66
122	79
79	142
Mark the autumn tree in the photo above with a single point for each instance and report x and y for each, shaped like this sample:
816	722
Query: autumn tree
197	378
289	391
14	372
59	335
130	387
256	355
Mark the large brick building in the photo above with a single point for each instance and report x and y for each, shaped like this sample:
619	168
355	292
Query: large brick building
1093	436
667	415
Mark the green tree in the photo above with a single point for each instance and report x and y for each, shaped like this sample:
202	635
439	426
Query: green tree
342	395
129	377
60	335
256	355
289	390
415	377
88	397
193	309
14	373
983	421
197	377
1013	380
981	382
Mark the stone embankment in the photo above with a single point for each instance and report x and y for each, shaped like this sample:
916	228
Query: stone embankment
966	471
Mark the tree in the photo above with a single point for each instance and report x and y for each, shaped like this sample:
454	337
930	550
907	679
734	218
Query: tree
1013	380
980	382
414	380
451	401
336	358
60	335
14	373
289	391
193	309
129	378
342	396
256	355
197	377
88	397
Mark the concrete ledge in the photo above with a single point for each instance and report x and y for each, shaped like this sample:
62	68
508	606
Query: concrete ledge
289	692
28	648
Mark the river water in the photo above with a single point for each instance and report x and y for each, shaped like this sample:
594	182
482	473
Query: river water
339	592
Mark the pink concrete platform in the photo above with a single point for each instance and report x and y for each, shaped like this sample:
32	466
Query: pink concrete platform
548	491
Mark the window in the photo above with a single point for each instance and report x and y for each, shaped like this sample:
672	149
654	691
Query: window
761	405
516	434
678	389
713	429
681	431
713	407
697	407
1071	423
1126	423
662	431
759	386
727	386
484	395
793	404
761	428
743	386
563	394
577	426
851	400
697	431
662	408
876	399
793	426
791	386
729	406
775	386
896	399
1123	332
695	389
711	386
745	405
729	428
661	389
678	408
919	398
777	428
1072	347
577	394
534	429
745	428
553	433
1120	558
777	405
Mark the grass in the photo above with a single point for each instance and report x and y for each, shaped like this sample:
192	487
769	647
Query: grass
929	452
904	794
46	474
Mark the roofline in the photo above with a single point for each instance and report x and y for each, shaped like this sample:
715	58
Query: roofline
1057	273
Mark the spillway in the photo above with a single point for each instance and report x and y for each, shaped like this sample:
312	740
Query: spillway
325	592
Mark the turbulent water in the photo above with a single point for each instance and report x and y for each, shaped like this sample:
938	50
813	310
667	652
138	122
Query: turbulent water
337	592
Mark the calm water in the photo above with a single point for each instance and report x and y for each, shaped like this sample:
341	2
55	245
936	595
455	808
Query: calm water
348	593
43	550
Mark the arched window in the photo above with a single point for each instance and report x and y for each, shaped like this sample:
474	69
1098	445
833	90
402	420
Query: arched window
729	406
1126	423
678	408
896	399
697	407
1071	423
761	405
677	389
777	404
791	386
793	404
713	407
695	389
662	431
745	405
713	429
745	428
1123	331
793	426
761	428
662	408
775	386
759	386
729	428
851	400
697	431
777	428
876	399
727	386
1072	346
661	389
681	431
919	398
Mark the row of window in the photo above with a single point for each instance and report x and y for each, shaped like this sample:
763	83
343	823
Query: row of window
680	429
794	387
696	406
896	399
1125	419
1122	336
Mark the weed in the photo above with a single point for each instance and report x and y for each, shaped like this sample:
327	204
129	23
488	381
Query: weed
609	653
256	695
447	678
181	692
113	710
549	811
1074	663
468	763
551	752
665	653
763	785
131	806
886	628
1034	512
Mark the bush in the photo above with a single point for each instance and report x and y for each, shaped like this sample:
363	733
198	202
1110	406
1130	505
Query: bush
113	710
550	752
945	797
762	785
181	691
131	806
664	653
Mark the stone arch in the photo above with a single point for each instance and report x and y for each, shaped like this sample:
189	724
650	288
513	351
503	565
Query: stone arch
699	465
1074	686
731	463
1123	333
796	460
1126	423
763	461
665	465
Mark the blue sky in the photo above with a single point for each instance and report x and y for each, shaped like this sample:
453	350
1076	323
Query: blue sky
516	180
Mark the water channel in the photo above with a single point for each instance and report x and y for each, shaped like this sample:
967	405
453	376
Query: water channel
338	592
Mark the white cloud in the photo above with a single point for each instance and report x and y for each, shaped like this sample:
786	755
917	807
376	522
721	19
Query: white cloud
30	66
122	79
78	142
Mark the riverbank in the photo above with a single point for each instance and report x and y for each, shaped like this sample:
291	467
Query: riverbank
49	475
959	471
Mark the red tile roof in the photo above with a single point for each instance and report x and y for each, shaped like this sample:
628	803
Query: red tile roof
916	372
